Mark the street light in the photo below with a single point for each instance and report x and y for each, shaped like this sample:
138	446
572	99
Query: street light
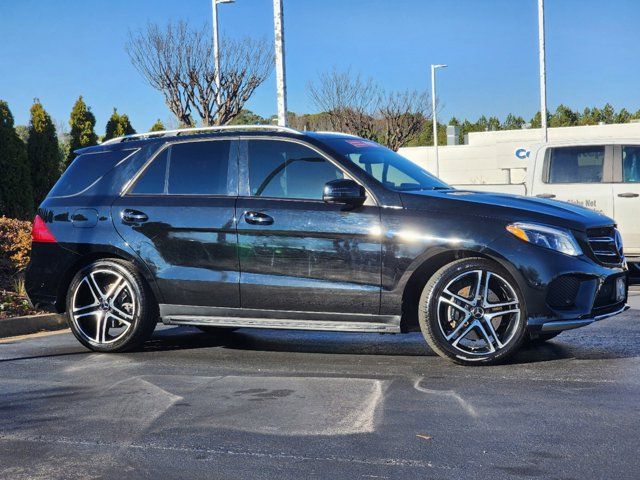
281	74
216	47
433	108
543	71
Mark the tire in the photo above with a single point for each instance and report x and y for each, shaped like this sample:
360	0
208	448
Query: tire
110	307
540	338
214	330
459	326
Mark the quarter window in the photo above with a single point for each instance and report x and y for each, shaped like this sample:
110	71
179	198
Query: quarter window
576	164
631	164
288	170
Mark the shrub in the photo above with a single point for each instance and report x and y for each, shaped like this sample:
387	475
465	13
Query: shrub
15	243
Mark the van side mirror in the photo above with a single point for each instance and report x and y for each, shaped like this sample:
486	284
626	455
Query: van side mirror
344	192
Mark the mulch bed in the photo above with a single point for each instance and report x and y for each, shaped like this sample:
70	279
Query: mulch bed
12	304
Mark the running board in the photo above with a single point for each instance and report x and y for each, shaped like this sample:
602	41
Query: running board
284	324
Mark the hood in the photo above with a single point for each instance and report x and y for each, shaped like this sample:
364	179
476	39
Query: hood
511	208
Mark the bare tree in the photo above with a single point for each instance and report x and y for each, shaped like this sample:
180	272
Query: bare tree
178	61
403	116
350	102
359	106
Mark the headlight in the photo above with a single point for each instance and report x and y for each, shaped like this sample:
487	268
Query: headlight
554	238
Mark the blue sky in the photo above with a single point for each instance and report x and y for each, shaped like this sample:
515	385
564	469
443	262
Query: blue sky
56	50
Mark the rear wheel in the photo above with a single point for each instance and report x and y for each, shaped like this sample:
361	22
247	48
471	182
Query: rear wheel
471	311
110	307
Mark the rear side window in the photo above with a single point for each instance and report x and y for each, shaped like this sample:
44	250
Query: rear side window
152	180
86	170
576	164
193	168
631	164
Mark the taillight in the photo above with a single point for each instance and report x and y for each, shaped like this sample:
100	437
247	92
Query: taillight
40	233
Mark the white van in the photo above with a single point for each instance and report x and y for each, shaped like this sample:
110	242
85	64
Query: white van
601	175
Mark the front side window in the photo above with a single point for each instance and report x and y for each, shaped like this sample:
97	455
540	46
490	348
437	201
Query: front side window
280	169
631	164
576	164
389	168
190	168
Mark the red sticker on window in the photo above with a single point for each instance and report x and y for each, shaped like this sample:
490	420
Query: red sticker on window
360	143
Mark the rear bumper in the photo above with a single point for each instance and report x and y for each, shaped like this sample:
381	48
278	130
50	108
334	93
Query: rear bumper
561	325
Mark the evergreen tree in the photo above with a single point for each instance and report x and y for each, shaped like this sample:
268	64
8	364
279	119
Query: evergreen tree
43	152
118	126
157	127
16	199
82	123
513	123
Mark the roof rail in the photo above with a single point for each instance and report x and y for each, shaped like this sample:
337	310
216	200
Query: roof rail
182	131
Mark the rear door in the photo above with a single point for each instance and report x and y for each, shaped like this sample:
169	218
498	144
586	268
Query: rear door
626	197
297	252
178	215
577	174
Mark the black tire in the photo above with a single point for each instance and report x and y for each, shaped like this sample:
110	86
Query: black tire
429	305
540	338
142	318
214	330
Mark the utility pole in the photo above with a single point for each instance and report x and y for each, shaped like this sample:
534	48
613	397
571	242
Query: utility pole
216	46
281	80
434	120
543	72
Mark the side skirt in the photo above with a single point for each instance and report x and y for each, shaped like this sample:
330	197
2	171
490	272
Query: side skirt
279	319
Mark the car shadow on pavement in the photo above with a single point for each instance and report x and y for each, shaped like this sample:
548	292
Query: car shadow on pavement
338	343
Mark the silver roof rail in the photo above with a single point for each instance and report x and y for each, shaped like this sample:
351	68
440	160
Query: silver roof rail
182	131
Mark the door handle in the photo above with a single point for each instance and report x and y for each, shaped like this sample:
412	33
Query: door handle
629	195
546	195
257	218
134	216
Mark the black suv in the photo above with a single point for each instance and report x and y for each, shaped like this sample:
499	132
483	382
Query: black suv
269	227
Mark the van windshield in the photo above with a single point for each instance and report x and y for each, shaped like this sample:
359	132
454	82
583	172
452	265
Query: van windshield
391	169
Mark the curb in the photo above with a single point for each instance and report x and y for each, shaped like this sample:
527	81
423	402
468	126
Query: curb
12	327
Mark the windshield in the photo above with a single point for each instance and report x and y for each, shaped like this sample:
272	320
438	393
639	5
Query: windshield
392	170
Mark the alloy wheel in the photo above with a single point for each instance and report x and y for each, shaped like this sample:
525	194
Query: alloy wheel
103	306
478	313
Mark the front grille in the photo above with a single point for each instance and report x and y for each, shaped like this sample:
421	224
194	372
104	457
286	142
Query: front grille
602	241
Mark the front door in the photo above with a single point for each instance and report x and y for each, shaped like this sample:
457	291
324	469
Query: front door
296	252
179	215
626	198
578	174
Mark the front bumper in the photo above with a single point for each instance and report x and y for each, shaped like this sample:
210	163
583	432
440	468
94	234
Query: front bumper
562	291
558	326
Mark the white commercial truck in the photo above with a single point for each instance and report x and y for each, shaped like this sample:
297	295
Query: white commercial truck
599	173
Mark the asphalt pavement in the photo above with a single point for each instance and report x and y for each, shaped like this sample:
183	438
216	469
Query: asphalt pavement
270	404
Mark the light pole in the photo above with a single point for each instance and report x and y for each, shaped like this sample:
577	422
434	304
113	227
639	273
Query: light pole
216	46
281	80
543	71
433	108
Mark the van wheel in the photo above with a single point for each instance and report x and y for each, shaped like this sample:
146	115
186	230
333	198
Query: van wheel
540	338
214	330
471	311
110	307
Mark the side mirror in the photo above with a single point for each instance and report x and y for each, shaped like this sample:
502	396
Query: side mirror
344	192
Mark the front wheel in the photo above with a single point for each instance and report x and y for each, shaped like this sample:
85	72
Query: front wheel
471	311
110	307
